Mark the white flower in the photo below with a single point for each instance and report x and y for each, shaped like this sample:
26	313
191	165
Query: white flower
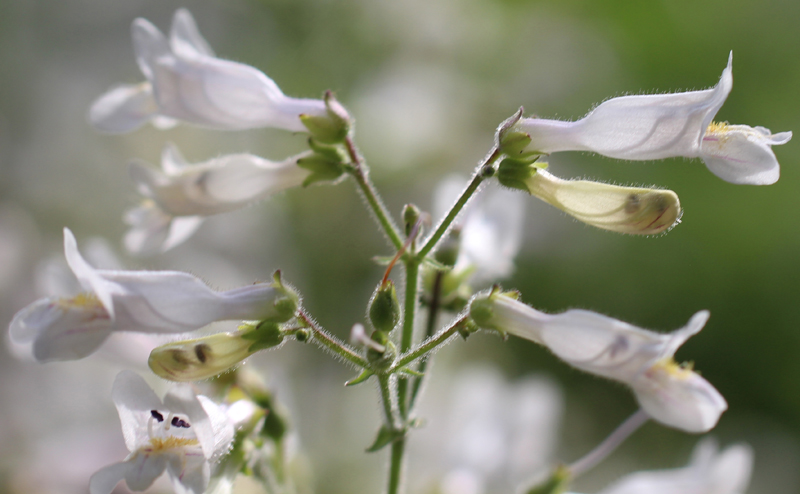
490	229
180	195
709	472
648	127
633	210
186	82
671	394
183	435
145	301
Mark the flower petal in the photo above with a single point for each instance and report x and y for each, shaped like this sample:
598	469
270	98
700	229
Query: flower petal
679	398
134	400
641	127
209	423
105	479
741	154
184	37
123	109
103	289
145	469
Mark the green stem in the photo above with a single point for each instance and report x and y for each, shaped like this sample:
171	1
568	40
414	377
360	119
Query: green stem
427	346
361	173
407	336
480	175
386	398
430	327
396	466
331	342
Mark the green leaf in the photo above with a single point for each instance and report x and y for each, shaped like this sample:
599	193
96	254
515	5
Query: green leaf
366	374
386	435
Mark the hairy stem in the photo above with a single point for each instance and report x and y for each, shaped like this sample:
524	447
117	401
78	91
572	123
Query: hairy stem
484	170
396	466
361	174
428	345
331	342
407	336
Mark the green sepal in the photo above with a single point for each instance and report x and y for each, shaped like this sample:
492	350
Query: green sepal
433	263
322	168
286	305
332	152
333	127
386	436
365	374
266	334
515	173
467	328
381	360
556	484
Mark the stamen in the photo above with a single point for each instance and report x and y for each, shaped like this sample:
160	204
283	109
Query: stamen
177	422
156	415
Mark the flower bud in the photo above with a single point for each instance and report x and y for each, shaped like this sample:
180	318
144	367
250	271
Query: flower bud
411	214
200	358
333	127
384	308
633	210
285	305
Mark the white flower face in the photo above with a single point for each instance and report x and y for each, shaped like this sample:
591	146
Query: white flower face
657	126
642	359
186	82
183	435
145	301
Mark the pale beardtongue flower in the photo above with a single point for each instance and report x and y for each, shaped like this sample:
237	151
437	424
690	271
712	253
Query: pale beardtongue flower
490	228
186	82
143	301
650	127
710	471
632	210
671	394
183	435
181	195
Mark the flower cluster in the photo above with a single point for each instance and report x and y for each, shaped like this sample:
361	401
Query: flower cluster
197	441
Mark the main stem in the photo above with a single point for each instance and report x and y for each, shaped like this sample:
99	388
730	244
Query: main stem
361	174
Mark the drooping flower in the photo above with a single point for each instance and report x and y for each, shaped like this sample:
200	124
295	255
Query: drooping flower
186	82
144	301
709	472
184	435
181	195
672	394
649	127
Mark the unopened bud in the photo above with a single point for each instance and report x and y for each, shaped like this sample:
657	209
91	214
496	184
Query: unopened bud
633	210
384	308
200	358
411	214
447	252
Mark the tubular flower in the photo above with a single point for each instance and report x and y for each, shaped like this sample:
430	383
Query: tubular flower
144	301
180	195
649	127
186	82
671	394
709	472
183	435
633	210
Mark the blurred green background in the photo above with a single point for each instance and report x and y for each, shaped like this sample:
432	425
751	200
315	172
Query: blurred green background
428	81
